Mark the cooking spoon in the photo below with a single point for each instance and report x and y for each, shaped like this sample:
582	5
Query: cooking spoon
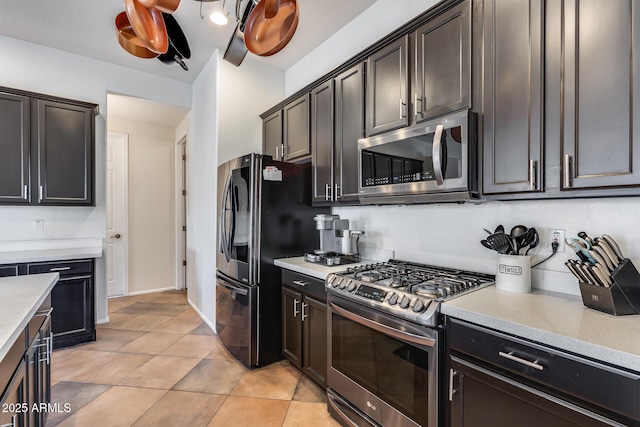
517	234
533	238
501	243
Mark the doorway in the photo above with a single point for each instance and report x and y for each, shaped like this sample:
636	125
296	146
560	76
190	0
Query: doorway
117	204
181	214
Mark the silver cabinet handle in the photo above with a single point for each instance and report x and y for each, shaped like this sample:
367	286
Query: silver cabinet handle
304	315
40	192
295	308
417	110
402	104
437	153
300	283
277	157
60	269
326	192
567	172
284	150
25	192
44	313
510	356
338	192
13	423
532	174
452	373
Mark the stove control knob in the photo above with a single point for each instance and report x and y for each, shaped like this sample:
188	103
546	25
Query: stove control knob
343	283
417	305
330	279
352	286
404	302
392	299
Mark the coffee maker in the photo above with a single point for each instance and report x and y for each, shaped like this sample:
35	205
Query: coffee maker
338	244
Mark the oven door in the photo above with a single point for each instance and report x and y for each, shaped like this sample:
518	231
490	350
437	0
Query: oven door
385	367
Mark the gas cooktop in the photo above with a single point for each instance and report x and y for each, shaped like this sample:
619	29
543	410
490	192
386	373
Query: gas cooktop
408	290
331	258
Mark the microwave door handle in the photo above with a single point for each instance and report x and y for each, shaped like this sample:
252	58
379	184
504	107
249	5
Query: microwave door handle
437	154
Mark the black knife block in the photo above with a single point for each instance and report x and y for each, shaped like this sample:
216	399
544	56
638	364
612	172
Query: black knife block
623	297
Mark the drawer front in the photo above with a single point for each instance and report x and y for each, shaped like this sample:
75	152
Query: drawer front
65	268
598	384
38	319
306	284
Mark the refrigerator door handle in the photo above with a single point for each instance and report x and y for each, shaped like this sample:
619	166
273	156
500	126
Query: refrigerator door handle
223	224
234	205
232	288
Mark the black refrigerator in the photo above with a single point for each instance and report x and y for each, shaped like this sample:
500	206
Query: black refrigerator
264	212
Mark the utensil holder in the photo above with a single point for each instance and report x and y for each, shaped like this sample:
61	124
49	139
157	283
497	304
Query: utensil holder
513	273
622	298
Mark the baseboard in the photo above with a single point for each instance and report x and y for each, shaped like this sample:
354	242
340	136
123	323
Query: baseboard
102	321
152	291
202	316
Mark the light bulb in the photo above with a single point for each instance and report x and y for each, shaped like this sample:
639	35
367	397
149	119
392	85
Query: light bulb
218	18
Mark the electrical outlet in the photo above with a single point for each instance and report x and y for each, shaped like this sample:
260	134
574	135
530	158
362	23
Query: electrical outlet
555	235
38	224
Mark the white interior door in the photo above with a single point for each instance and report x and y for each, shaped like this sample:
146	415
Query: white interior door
117	194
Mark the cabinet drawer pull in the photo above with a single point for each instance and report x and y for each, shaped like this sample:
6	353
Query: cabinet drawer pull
300	283
510	356
60	269
295	308
44	313
452	373
327	192
304	315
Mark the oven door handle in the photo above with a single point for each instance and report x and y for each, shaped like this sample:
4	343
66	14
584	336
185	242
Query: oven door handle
387	330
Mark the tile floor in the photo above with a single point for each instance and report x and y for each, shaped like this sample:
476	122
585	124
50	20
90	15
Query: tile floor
157	364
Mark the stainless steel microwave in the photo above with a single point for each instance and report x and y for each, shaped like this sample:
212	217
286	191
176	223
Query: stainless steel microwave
434	161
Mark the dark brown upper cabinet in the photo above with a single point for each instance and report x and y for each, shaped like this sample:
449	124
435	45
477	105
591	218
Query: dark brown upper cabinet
387	88
513	96
295	136
601	71
48	150
442	80
272	135
322	143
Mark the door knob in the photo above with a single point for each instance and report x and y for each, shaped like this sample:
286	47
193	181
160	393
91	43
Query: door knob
117	236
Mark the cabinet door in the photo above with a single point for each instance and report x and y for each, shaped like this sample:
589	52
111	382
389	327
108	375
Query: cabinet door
443	64
513	100
601	140
314	321
272	135
14	400
31	358
296	128
72	320
349	128
44	368
292	326
15	131
64	145
322	142
9	270
387	83
479	397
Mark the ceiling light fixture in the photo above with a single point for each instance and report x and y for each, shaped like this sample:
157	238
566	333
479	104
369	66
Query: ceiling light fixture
219	17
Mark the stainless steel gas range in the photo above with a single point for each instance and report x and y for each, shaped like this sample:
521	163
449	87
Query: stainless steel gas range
385	341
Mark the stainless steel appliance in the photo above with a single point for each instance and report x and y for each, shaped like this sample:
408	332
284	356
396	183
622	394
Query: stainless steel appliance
264	208
338	244
385	341
434	161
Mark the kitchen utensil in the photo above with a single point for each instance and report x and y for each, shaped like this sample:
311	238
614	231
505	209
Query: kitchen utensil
517	233
581	248
499	229
614	246
166	6
597	258
266	34
533	238
487	231
577	271
602	243
602	278
236	48
486	244
589	274
128	39
178	45
501	243
608	281
148	25
584	236
604	257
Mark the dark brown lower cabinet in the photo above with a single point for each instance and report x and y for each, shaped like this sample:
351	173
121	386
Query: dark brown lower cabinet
304	325
14	400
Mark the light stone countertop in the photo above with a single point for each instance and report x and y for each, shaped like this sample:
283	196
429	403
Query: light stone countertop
555	319
319	271
20	297
49	250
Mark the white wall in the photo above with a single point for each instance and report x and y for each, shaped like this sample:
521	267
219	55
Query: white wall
151	210
382	18
201	192
450	234
49	71
244	93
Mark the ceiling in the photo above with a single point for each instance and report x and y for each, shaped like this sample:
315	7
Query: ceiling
86	27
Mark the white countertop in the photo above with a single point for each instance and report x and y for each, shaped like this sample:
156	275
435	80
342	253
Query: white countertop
555	319
319	271
20	297
49	250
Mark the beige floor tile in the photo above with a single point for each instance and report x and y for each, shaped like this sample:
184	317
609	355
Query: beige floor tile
115	320
250	411
75	396
115	304
139	307
99	367
270	382
212	376
308	391
150	343
203	329
118	406
219	352
67	365
192	346
165	298
181	408
304	414
143	322
178	326
160	372
170	309
190	314
111	339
